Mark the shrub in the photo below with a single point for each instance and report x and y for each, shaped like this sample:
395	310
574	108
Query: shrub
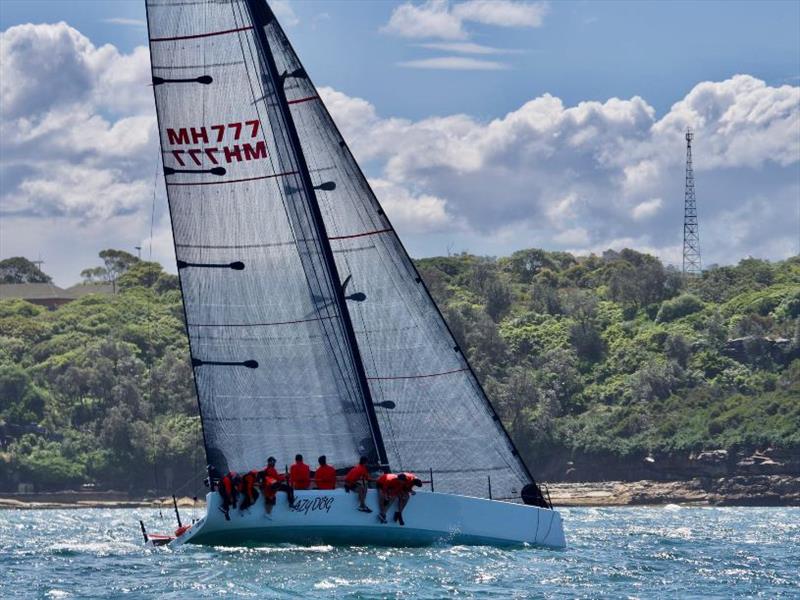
679	307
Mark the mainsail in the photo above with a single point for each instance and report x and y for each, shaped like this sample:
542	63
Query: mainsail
273	362
352	353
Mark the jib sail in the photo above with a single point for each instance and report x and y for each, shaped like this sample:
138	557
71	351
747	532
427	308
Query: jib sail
441	418
274	355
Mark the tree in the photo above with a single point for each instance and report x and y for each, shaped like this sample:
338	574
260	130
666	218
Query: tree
18	269
678	348
115	263
140	274
584	334
679	307
525	264
94	274
637	279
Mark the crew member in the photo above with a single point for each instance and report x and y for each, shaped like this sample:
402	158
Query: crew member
212	481
325	475
391	486
227	490
271	471
408	482
269	487
299	474
249	492
357	480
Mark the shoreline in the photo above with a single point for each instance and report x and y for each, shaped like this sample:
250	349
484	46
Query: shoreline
764	490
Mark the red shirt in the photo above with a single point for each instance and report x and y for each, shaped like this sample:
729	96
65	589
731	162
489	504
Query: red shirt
390	484
325	477
266	486
300	476
357	473
273	472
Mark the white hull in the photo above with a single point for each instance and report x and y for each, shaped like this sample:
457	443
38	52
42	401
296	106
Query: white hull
330	517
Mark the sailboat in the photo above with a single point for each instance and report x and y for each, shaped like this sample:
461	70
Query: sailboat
309	327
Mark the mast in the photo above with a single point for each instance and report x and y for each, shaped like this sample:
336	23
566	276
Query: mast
262	16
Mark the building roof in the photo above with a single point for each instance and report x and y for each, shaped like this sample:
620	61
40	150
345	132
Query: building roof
82	289
33	291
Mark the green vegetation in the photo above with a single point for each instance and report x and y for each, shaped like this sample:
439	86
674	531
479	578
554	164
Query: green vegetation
613	356
609	356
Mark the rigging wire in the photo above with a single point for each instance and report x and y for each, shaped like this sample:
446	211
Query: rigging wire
153	442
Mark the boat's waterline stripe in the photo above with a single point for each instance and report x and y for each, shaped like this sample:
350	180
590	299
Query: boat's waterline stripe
200	35
417	376
286	174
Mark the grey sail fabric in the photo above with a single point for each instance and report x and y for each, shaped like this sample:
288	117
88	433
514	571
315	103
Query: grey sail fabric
442	419
273	365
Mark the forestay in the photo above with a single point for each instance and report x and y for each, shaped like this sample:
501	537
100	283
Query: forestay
274	369
442	419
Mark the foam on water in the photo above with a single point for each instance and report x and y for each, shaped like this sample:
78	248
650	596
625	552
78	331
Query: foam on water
614	552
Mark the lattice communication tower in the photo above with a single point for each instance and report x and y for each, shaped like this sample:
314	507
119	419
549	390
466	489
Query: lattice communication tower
691	231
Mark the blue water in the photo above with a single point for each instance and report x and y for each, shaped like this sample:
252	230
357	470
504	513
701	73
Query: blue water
670	552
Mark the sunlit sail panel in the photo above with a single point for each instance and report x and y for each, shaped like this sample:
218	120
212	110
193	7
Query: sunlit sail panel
272	361
441	418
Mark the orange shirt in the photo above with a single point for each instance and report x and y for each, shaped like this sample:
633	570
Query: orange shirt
357	473
300	476
325	477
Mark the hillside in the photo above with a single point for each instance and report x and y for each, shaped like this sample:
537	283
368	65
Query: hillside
600	366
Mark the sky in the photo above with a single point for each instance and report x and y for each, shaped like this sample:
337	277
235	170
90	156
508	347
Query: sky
483	126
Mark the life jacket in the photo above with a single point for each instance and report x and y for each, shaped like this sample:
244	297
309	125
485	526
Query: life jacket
388	483
273	472
357	473
181	530
228	483
249	483
325	477
300	476
266	486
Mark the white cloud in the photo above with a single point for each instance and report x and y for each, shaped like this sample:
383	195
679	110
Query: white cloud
577	236
443	20
600	174
411	213
465	48
440	19
563	209
285	13
79	139
454	63
432	19
504	13
78	161
126	21
646	209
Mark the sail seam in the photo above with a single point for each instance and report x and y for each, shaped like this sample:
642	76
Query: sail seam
416	376
299	100
358	235
260	324
200	35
